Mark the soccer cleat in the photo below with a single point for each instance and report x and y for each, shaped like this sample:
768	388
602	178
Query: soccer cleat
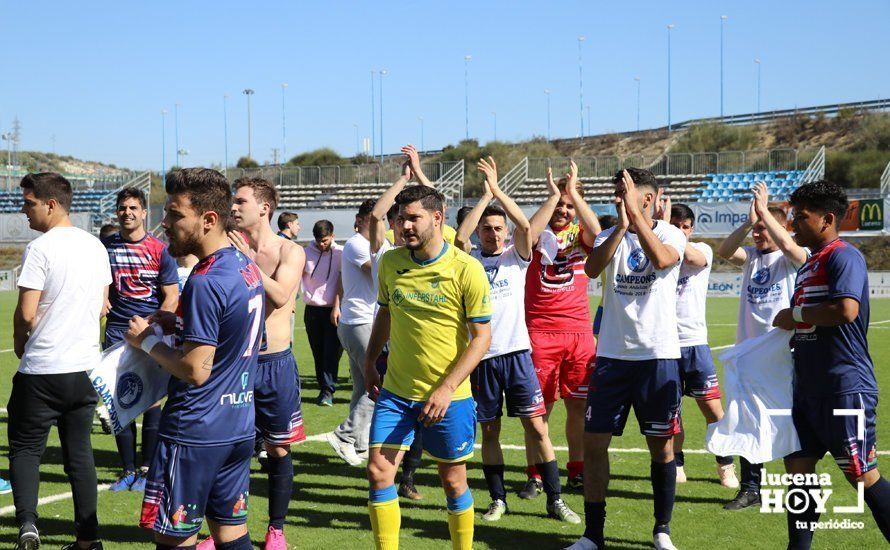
206	544
407	490
743	500
139	483
576	483
583	543
275	539
5	486
344	450
29	538
325	400
496	509
681	475
558	509
75	546
363	455
662	541
533	487
124	482
726	473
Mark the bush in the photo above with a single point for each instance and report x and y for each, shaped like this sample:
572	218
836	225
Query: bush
247	162
855	169
716	137
319	157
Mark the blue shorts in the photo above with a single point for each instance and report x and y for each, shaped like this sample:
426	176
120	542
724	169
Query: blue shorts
597	320
113	335
185	484
698	373
651	386
276	398
820	430
513	375
395	421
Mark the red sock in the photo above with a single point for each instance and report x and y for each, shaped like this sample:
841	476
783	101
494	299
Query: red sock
532	472
575	468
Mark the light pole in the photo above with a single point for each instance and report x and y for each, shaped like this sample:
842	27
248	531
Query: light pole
382	74
638	102
588	117
248	92
580	84
495	117
225	135
723	19
283	126
176	130
357	149
373	118
467	59
164	146
422	146
757	62
669	27
547	93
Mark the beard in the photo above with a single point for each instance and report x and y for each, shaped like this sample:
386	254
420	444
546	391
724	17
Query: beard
422	239
184	245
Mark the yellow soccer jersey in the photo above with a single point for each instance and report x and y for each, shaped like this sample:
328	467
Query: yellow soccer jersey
448	233
429	304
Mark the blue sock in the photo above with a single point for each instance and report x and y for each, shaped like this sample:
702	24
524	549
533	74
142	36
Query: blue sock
281	484
460	503
242	543
595	522
383	495
878	499
800	536
550	480
494	478
664	489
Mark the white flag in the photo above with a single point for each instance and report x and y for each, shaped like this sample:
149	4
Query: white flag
757	378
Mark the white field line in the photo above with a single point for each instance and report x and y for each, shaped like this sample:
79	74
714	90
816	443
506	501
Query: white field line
6	510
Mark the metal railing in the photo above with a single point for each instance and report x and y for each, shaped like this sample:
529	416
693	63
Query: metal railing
816	169
885	180
517	175
331	177
451	183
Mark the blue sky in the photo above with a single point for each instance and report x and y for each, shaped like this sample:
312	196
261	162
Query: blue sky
97	74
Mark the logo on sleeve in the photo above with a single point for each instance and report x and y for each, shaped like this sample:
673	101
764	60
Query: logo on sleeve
637	261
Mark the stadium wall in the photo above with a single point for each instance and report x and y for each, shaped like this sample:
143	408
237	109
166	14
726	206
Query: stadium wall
14	227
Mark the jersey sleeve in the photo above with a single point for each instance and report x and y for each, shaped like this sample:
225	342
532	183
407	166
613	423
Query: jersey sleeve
168	274
676	240
847	274
382	279
601	238
477	303
202	311
705	249
34	266
358	255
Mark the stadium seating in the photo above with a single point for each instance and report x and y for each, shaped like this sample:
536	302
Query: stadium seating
83	201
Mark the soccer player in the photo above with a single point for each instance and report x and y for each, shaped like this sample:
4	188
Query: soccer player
63	288
834	374
507	369
144	280
321	279
638	352
557	312
201	468
433	298
350	439
279	419
697	371
289	225
769	269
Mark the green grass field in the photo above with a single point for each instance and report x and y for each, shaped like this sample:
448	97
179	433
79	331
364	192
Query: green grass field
328	509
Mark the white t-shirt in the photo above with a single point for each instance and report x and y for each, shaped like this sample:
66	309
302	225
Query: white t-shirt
375	265
640	302
506	274
767	287
70	267
359	294
692	293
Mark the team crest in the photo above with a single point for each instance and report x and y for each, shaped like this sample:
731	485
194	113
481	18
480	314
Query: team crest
637	261
398	297
434	283
761	276
129	389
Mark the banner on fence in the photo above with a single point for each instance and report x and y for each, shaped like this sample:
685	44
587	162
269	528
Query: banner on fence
14	227
7	280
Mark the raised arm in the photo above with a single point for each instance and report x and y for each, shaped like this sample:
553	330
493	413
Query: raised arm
471	221
731	248
779	234
522	233
588	218
377	226
660	254
694	257
601	255
414	162
541	218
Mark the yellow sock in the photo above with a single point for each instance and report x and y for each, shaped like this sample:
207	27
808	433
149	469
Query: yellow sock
386	519
460	525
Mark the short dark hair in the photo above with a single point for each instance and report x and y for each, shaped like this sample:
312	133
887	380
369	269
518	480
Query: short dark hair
263	190
285	218
322	229
429	198
366	207
821	196
462	213
641	177
393	212
130	193
207	189
683	212
494	210
607	221
107	230
49	185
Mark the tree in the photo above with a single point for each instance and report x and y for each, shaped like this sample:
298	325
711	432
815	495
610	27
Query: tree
247	162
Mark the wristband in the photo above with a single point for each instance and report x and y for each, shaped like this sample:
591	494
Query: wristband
797	314
149	342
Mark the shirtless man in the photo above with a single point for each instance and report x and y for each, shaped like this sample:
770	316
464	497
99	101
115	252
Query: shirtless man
277	386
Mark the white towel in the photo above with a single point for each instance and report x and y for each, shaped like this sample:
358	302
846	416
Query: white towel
757	376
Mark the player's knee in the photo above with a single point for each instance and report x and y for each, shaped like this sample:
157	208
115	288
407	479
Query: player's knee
535	428
596	445
661	449
277	451
867	479
491	431
380	473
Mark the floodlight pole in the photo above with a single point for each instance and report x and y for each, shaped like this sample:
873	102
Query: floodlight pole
248	92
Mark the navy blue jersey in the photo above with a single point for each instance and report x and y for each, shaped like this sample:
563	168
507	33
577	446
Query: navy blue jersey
833	360
138	270
222	305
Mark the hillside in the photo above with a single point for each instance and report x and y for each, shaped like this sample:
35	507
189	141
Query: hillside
37	161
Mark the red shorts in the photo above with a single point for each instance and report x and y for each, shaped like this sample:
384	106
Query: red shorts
563	362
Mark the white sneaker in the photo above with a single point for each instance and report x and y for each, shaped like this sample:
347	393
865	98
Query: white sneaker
344	450
362	455
727	476
681	475
583	543
662	541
